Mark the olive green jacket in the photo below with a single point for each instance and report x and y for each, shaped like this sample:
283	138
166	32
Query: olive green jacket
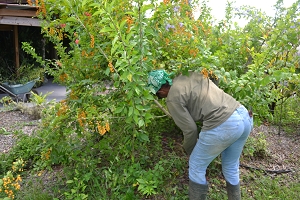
195	98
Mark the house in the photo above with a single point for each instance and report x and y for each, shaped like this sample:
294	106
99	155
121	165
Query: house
13	15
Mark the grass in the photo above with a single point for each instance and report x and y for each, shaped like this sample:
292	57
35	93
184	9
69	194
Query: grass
261	188
3	131
280	187
255	185
34	190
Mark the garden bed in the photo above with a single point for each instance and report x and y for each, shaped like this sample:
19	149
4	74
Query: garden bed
282	151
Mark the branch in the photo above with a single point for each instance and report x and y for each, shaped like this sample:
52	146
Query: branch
162	108
265	170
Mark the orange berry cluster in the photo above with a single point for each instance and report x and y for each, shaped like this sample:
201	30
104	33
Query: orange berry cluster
111	67
103	129
46	155
9	184
81	118
63	108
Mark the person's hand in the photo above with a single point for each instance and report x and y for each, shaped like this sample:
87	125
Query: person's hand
250	112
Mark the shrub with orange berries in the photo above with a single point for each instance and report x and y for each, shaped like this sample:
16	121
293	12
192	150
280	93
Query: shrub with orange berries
10	183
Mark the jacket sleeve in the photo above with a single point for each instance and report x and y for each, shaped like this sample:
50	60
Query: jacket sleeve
185	122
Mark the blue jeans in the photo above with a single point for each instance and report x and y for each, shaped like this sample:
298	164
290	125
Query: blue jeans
228	139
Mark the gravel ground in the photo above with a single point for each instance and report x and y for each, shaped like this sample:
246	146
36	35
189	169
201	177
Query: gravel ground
283	150
12	123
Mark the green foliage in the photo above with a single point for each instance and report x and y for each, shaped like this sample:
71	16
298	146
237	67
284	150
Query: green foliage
34	192
39	103
35	110
10	182
256	146
79	186
27	148
278	187
287	115
107	127
118	42
260	186
149	181
3	131
24	74
7	102
8	69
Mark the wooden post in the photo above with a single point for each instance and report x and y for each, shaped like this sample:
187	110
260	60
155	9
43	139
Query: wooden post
16	44
44	58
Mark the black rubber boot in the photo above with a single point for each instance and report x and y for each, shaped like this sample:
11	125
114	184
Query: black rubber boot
197	191
233	191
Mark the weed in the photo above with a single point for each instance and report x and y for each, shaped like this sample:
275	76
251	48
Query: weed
35	188
26	147
3	131
8	103
256	146
78	186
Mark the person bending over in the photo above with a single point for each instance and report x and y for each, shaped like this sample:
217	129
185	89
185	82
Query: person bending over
226	126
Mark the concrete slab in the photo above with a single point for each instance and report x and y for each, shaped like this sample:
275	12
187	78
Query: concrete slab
58	91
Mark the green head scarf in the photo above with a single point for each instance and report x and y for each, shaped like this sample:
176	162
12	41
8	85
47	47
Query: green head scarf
157	78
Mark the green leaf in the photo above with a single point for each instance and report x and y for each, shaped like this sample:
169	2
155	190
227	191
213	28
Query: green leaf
141	181
119	109
130	111
148	95
137	91
265	81
106	29
124	75
141	123
134	59
136	112
122	24
129	95
237	89
129	77
114	45
148	117
129	35
136	119
83	3
99	12
147	7
130	13
72	19
143	137
140	107
107	71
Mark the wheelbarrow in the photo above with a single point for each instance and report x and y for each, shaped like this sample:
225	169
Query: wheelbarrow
19	92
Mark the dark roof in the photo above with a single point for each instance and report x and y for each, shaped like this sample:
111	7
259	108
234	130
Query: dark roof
18	14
